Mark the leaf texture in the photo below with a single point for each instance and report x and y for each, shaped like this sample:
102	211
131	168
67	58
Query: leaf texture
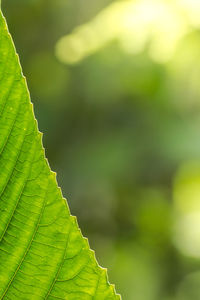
42	252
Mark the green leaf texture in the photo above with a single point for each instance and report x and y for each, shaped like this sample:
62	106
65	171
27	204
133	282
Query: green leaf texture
43	254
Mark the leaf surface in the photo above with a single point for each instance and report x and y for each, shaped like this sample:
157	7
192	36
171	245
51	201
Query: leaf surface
43	254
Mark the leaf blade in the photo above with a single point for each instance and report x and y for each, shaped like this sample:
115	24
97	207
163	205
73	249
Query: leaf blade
36	224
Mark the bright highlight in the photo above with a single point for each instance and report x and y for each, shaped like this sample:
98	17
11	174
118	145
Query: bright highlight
135	24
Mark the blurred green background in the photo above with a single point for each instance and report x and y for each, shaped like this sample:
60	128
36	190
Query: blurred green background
115	87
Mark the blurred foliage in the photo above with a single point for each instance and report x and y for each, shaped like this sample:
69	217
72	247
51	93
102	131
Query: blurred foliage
122	129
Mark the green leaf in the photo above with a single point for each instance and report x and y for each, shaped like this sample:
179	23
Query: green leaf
42	252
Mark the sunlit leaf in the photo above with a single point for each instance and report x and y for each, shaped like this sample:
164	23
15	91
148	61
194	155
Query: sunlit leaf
43	254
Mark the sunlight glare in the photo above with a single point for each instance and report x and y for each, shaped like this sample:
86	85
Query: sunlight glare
136	24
